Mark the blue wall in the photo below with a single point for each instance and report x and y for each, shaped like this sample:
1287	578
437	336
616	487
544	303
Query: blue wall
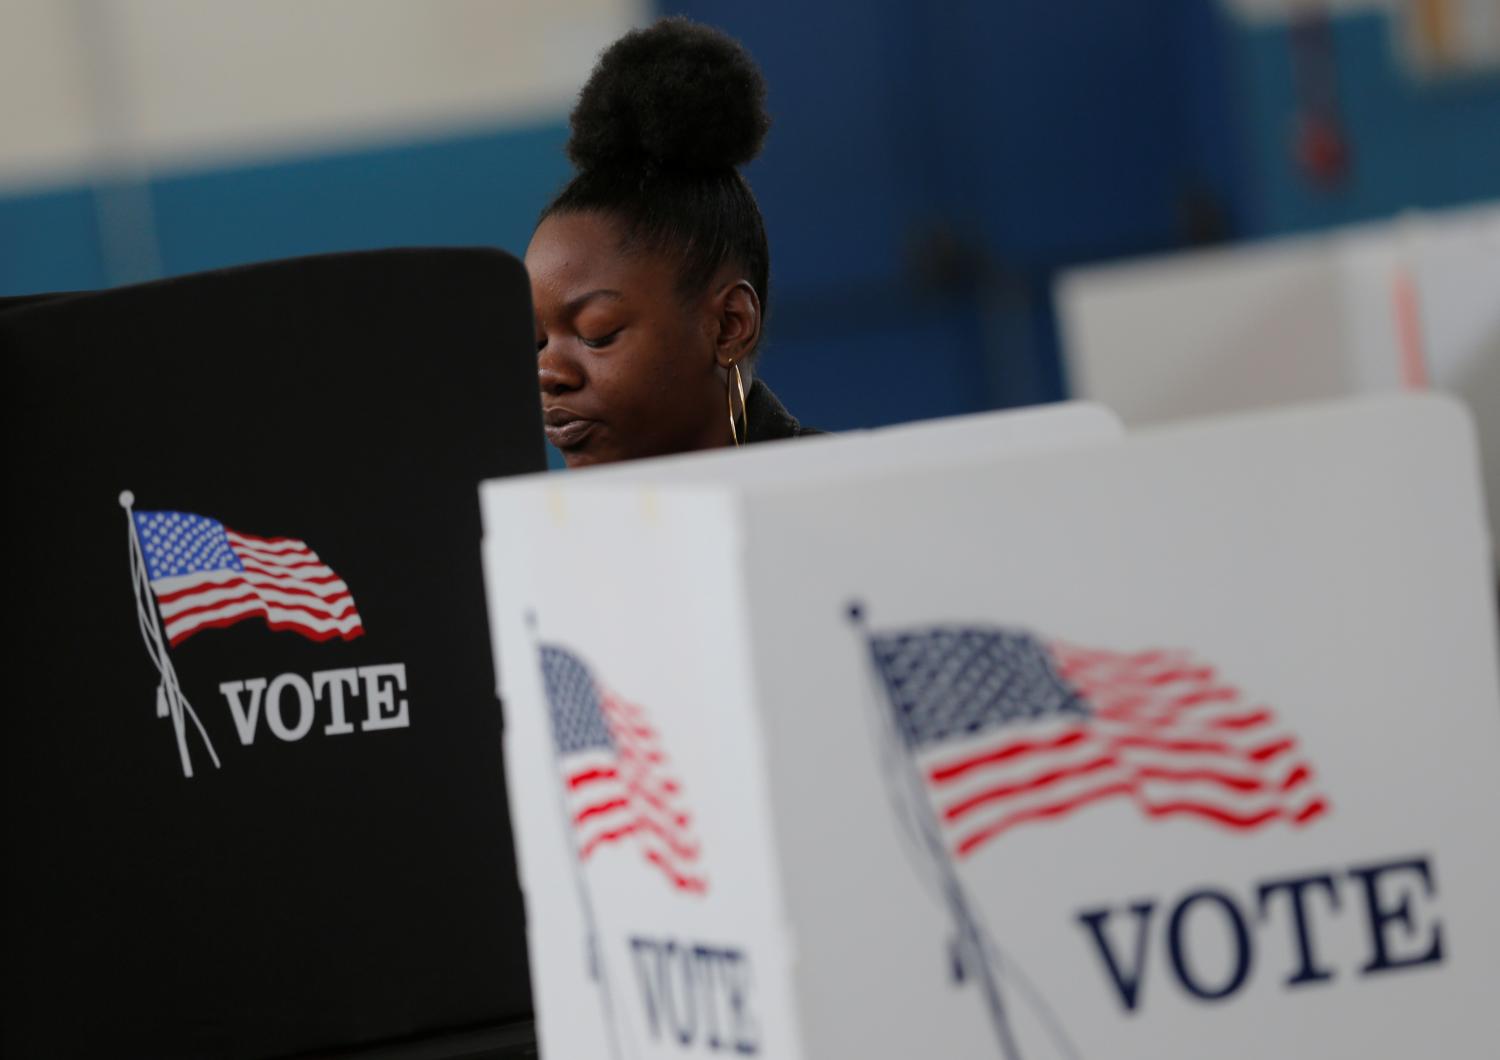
931	168
481	189
1414	143
49	241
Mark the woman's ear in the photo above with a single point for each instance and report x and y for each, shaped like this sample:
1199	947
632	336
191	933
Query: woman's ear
737	308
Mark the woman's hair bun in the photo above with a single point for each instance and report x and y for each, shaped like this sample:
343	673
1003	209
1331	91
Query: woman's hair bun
677	95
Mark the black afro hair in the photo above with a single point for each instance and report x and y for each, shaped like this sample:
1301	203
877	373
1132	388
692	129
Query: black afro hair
675	96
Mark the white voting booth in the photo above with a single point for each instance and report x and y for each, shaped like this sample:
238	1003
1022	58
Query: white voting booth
1012	737
1411	302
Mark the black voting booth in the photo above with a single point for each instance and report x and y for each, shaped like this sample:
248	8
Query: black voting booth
333	885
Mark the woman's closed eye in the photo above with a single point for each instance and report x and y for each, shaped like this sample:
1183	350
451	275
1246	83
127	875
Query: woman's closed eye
601	341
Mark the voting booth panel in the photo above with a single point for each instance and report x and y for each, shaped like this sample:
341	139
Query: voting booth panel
1412	303
610	897
254	796
1283	653
1175	746
1376	306
561	628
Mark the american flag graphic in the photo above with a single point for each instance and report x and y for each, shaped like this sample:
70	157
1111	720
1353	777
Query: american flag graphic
616	781
1006	730
206	576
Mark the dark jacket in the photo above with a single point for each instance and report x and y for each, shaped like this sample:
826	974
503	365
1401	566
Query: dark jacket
767	418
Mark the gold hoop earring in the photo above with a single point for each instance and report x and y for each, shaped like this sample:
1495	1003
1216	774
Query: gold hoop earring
734	428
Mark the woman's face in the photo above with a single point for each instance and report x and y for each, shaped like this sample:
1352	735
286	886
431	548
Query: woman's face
627	367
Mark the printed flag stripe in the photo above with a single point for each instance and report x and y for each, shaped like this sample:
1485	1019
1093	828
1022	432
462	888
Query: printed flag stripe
243	590
299	558
1007	729
1243	721
289	553
307	567
1227	770
277	618
207	576
1219	815
311	570
682	881
311	632
679	848
173	588
273	544
1010	793
181	620
613	772
971	840
1232	776
1189	746
1229	781
659	804
600	838
658	815
259	598
589	776
1042	780
1271	750
1235	777
598	808
236	583
286	544
1005	753
1300	774
1232	819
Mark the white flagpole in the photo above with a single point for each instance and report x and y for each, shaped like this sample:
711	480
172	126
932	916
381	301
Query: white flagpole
969	934
984	957
170	700
598	970
594	952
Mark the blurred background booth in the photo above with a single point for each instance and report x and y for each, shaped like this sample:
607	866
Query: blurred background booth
1410	304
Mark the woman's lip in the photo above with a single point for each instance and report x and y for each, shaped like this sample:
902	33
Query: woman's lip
571	434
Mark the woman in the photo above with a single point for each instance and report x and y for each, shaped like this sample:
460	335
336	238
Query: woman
649	270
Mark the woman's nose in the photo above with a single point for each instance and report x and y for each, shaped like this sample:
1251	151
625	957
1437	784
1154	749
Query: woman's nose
556	371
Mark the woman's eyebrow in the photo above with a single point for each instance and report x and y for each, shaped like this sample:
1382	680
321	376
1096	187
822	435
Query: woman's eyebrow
573	305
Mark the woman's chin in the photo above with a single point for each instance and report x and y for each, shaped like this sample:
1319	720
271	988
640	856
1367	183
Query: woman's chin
589	454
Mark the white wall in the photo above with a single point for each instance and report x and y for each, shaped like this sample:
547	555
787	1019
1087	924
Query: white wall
167	84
